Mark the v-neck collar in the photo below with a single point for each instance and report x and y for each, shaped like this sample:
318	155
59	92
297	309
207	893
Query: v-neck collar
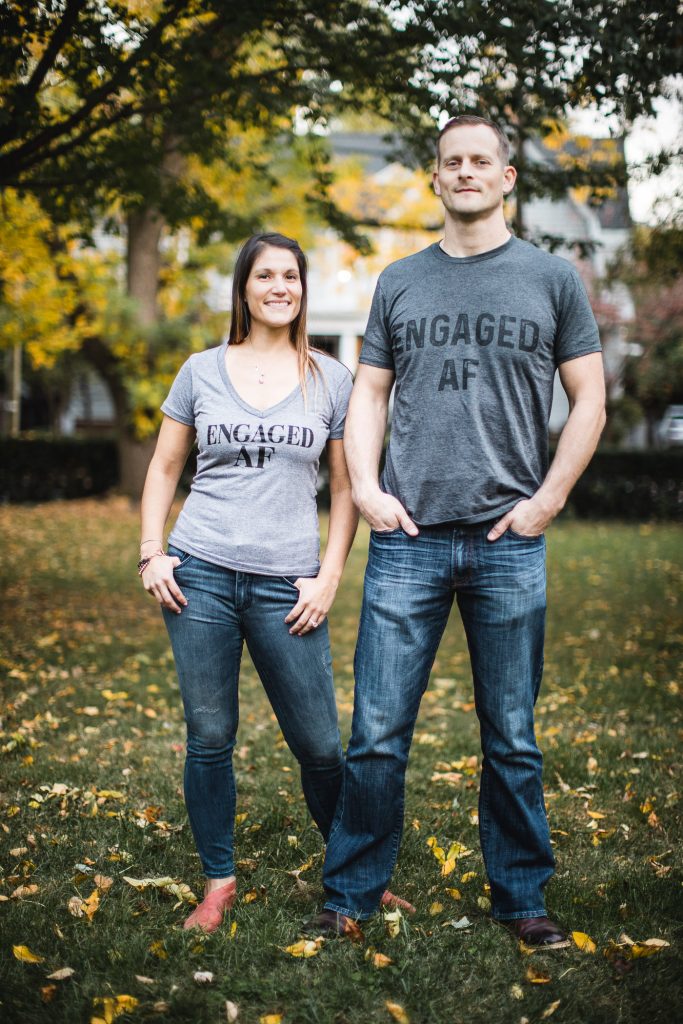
235	395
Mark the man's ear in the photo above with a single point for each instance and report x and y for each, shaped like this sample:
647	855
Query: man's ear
435	183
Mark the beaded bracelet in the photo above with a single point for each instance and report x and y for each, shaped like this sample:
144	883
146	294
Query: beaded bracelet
144	562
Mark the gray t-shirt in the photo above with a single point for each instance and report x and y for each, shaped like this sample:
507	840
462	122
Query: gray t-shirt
474	344
252	506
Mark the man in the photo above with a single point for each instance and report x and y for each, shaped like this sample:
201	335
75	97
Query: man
471	330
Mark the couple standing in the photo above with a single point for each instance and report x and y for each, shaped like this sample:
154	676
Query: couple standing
470	331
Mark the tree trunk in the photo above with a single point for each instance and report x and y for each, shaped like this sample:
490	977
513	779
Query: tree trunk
520	194
144	262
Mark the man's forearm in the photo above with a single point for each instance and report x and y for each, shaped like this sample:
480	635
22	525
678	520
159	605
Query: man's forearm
363	439
578	441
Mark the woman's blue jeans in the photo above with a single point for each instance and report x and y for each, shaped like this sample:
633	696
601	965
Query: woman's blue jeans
410	584
226	608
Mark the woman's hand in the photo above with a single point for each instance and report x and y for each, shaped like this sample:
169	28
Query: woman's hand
315	600
158	580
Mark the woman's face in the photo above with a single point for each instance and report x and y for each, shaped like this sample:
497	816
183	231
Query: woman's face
273	291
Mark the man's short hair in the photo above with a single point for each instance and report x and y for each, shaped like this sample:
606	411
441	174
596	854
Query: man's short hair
472	119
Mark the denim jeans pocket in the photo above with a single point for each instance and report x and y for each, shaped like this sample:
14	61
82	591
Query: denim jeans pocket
386	533
523	536
175	552
290	580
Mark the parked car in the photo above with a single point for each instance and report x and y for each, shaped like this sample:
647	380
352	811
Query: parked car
671	427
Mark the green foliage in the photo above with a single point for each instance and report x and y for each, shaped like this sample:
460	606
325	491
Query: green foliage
92	705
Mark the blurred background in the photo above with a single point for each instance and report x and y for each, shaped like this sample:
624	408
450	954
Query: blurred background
142	141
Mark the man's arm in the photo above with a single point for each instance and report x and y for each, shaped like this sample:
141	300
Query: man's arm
366	423
584	381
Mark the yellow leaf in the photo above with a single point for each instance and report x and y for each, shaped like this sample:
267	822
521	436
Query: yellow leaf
454	893
397	1012
24	954
112	1007
468	876
250	896
448	866
536	977
158	949
92	904
438	852
596	814
233	929
584	942
647	948
305	947
270	1018
435	908
550	1009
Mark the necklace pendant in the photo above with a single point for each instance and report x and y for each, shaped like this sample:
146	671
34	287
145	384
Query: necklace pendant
261	378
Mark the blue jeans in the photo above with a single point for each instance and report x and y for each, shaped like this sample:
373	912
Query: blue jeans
410	584
226	608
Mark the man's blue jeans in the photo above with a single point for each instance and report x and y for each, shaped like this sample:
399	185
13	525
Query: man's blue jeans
224	609
410	584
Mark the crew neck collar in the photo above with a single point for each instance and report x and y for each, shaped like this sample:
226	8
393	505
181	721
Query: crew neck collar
437	251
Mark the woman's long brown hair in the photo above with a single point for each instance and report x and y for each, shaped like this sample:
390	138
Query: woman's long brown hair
240	322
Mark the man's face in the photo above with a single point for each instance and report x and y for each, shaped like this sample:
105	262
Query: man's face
471	178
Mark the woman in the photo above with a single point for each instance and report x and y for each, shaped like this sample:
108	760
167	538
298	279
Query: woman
242	562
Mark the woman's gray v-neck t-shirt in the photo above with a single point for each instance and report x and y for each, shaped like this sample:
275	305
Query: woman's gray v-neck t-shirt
252	506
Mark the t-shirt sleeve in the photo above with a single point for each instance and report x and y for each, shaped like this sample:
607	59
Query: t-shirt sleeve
179	403
339	407
377	350
577	332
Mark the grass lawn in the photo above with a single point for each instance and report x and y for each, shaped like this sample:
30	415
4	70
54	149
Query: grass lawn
91	757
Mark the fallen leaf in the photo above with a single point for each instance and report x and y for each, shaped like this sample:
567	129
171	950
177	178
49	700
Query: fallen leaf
144	980
75	906
648	948
231	1011
468	876
180	890
203	977
435	908
305	947
103	882
584	942
392	923
158	949
459	925
483	902
18	851
516	991
92	904
112	1007
270	1018
397	1012
537	977
377	959
550	1009
24	954
62	974
454	893
23	891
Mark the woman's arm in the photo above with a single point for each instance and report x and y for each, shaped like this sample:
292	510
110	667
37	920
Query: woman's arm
317	595
170	456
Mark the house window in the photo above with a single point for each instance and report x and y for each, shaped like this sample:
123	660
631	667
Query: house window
327	343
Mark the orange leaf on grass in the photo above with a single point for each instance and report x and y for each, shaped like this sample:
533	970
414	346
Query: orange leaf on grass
537	977
584	942
397	1012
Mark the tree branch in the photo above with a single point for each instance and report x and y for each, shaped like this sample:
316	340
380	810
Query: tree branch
34	146
25	93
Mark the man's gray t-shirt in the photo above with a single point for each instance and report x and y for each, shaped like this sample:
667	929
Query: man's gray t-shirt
474	343
252	506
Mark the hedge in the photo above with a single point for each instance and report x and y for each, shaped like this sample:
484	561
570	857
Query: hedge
635	485
43	469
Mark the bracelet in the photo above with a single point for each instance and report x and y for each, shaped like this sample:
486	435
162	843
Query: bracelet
144	562
150	540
